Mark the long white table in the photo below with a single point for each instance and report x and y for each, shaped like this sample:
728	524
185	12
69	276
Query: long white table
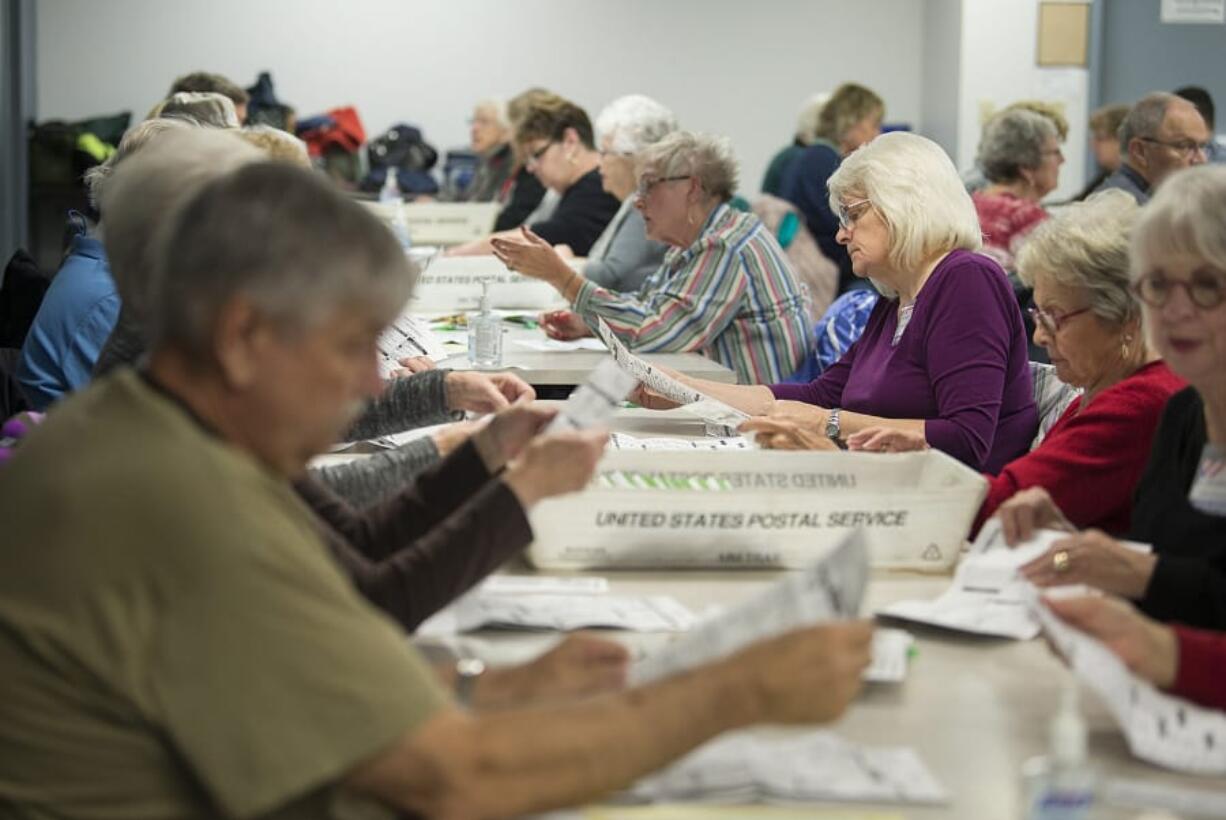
973	708
565	369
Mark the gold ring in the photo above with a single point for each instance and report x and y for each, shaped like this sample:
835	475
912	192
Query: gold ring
1060	561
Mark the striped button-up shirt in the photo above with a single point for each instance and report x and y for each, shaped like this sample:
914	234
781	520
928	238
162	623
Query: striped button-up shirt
731	296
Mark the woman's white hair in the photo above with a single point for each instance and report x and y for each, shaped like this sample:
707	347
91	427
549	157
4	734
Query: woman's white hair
807	121
1186	216
497	108
684	153
135	138
1085	246
633	122
913	185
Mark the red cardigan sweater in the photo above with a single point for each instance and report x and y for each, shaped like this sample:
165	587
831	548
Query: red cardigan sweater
1091	461
1202	667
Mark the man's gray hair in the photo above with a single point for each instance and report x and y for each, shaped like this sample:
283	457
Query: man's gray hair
706	157
199	108
144	192
633	122
1013	140
134	139
1185	216
1085	246
282	238
913	185
1144	119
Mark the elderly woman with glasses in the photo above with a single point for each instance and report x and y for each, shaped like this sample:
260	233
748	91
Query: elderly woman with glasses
1179	271
1089	321
1020	156
943	355
725	287
623	257
556	141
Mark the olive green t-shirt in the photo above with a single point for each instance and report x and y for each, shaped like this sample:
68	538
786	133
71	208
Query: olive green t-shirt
174	639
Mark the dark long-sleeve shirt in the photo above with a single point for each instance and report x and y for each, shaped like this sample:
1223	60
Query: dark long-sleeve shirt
1188	584
417	551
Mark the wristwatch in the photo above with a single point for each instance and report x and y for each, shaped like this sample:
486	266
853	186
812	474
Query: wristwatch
467	670
832	424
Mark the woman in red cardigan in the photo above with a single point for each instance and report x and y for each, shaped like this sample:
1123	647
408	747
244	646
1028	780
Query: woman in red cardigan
1190	663
1089	321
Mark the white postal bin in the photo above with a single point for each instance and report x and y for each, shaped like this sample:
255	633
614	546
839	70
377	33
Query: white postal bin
454	283
771	509
441	223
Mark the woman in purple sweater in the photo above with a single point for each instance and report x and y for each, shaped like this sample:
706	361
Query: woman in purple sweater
944	353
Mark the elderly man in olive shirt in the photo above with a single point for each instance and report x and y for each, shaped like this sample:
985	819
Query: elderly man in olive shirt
176	640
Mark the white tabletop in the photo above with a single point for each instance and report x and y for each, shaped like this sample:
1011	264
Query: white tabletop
572	367
974	709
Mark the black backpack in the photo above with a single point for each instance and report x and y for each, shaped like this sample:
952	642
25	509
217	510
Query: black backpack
401	148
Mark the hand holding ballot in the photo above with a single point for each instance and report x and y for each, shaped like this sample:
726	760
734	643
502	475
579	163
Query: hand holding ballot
1095	559
555	464
1148	648
781	434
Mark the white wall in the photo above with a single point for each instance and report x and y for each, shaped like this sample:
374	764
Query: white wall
942	75
727	66
999	44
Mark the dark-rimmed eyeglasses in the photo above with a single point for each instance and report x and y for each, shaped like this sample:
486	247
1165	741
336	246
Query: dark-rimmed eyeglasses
535	156
647	185
1205	289
1185	148
1052	322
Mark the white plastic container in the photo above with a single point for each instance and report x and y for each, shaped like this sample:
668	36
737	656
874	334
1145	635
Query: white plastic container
759	508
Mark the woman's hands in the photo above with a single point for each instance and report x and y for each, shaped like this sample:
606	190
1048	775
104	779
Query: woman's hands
564	325
1029	510
533	256
1148	648
1095	559
886	440
782	434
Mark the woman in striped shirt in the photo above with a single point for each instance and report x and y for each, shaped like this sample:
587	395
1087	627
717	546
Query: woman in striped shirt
725	288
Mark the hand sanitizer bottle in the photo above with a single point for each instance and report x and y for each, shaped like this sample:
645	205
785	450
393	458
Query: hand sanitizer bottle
485	334
389	197
1061	785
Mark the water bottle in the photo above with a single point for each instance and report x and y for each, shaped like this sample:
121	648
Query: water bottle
485	334
389	197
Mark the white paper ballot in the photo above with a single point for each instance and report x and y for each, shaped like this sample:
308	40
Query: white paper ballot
831	588
891	652
564	613
744	768
622	441
987	596
595	401
724	418
1161	729
405	337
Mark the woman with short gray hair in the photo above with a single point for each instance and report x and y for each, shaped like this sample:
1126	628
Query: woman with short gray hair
1021	158
489	133
725	287
623	257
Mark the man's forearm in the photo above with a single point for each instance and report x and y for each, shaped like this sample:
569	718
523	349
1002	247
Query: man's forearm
508	763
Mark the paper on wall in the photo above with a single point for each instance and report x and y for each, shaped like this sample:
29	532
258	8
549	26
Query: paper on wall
831	588
1160	728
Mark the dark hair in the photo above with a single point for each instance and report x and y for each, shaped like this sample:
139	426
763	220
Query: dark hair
1200	98
206	82
549	118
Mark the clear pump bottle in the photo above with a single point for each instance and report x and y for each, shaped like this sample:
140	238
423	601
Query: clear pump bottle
390	198
1060	786
485	334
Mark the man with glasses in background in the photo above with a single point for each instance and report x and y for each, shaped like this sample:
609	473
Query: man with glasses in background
1161	134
